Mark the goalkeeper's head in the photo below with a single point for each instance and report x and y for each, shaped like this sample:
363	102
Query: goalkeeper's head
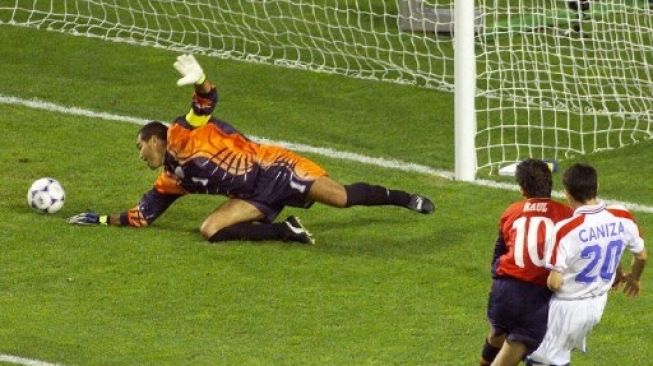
534	178
151	142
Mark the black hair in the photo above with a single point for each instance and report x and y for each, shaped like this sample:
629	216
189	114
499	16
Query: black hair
153	128
534	178
581	182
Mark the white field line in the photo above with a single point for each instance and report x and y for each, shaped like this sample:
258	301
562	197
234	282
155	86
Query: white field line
324	151
25	361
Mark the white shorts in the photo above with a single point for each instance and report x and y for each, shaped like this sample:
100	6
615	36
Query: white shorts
570	321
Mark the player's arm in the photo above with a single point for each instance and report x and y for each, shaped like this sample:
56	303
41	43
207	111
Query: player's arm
499	248
500	245
554	281
632	287
150	207
619	277
205	98
556	252
166	190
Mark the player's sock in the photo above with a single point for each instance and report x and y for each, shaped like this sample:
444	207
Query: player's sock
369	195
250	231
488	354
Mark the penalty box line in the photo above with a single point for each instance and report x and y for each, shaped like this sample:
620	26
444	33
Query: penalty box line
25	361
323	151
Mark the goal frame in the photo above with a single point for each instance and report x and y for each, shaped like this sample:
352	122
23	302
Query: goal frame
464	91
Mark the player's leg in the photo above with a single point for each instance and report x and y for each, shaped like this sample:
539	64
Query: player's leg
326	190
512	352
574	25
505	306
555	348
491	348
234	220
530	310
332	193
570	322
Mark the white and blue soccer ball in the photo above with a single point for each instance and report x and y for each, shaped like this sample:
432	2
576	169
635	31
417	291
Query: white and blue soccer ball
46	195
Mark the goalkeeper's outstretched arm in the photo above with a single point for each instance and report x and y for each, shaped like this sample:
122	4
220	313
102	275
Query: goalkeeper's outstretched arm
206	95
151	206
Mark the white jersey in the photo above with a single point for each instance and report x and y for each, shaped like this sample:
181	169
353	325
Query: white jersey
587	248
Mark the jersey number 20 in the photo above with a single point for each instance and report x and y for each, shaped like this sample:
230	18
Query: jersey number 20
609	265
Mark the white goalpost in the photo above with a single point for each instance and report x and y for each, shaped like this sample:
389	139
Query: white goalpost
465	91
532	78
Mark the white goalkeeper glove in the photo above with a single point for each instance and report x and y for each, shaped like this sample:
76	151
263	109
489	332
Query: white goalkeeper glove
190	70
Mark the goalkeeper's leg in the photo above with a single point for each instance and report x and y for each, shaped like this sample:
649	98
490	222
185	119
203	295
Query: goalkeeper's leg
234	220
332	193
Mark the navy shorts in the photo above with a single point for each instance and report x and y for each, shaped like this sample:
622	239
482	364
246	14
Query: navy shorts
519	310
279	186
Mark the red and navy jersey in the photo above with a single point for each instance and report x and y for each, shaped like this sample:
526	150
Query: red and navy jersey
214	158
523	230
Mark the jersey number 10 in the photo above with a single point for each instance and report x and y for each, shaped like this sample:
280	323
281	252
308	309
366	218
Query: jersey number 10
526	241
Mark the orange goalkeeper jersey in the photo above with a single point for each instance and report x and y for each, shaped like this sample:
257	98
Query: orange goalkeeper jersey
217	159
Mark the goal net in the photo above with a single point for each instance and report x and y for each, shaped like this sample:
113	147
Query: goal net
552	82
558	79
358	38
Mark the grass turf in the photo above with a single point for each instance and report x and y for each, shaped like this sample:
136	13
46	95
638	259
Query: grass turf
382	286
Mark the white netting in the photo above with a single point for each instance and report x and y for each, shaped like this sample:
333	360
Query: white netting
559	82
541	92
358	38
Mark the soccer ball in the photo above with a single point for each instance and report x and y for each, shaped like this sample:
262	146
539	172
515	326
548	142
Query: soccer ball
46	195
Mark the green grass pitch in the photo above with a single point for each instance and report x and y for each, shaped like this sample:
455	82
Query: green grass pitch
380	287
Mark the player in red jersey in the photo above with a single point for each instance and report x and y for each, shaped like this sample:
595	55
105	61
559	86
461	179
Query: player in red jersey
202	154
519	298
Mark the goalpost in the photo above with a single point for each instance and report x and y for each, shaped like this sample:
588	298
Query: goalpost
532	78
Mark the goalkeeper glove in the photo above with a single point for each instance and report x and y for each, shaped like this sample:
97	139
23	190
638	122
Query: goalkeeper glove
89	218
190	70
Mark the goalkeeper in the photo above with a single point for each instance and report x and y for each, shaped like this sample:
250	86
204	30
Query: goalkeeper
202	154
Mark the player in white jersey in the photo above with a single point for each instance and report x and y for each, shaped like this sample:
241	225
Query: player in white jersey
585	255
